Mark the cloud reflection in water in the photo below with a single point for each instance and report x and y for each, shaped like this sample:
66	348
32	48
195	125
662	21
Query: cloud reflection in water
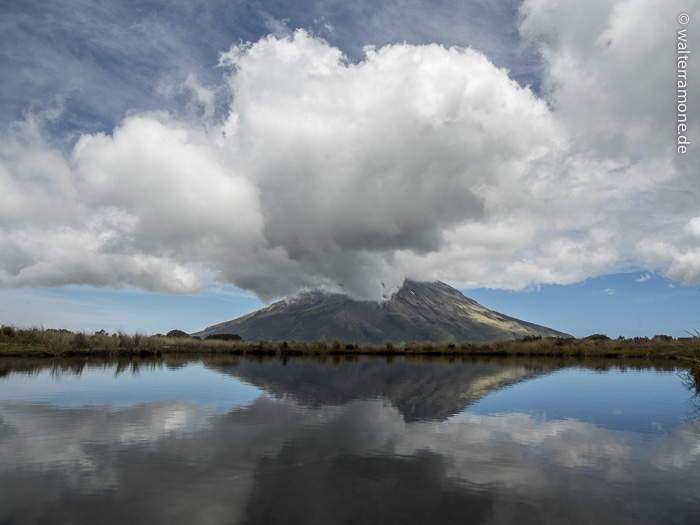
358	459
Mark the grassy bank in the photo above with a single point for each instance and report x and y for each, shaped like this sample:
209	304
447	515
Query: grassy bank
37	342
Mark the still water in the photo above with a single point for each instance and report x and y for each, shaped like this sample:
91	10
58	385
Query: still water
230	440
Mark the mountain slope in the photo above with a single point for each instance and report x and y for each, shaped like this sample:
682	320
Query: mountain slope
417	312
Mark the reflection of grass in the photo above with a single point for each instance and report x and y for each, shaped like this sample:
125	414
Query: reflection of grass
134	363
691	379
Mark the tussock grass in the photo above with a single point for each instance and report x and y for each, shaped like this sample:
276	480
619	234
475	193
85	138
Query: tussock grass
15	341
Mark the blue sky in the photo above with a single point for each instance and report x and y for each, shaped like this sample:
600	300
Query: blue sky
176	164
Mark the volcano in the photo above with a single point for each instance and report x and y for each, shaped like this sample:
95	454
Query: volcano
419	311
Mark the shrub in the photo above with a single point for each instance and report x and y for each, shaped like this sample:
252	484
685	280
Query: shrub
177	333
598	337
223	337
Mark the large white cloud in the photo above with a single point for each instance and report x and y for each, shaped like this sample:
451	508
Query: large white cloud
613	194
418	161
357	161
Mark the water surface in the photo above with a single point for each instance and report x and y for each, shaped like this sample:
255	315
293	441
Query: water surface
229	440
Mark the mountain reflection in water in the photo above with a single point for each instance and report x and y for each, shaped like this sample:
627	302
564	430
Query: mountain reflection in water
361	441
419	391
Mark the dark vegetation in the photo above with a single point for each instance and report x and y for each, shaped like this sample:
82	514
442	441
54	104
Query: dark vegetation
51	343
177	333
223	337
691	379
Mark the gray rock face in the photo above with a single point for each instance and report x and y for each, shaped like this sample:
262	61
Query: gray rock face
419	311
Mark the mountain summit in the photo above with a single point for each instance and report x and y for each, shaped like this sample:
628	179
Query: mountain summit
419	311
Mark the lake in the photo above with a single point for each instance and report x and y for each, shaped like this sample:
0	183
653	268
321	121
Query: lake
374	440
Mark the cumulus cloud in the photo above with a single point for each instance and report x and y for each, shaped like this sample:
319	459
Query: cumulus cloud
123	209
322	171
424	162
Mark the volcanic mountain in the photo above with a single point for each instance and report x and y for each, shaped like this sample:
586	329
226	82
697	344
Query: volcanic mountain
419	311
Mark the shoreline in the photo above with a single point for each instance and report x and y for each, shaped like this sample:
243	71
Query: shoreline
16	342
